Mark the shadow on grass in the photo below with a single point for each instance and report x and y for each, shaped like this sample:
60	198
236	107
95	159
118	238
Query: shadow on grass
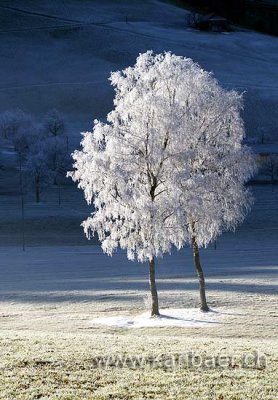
95	292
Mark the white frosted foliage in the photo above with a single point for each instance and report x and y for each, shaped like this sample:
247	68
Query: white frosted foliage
169	162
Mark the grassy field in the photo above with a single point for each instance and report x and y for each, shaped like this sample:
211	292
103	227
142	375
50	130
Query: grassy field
64	366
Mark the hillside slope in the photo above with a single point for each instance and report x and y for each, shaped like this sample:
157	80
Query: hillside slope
60	54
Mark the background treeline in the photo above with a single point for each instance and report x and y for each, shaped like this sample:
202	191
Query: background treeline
40	146
258	15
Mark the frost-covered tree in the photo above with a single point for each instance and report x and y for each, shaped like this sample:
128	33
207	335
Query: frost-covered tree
12	121
46	160
58	156
54	123
158	172
41	147
211	182
126	166
59	160
54	126
213	196
18	128
38	170
270	166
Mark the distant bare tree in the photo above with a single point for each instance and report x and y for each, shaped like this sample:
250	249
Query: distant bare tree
38	171
54	126
54	123
192	19
270	167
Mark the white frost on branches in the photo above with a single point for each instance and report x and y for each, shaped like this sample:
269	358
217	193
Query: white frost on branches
169	162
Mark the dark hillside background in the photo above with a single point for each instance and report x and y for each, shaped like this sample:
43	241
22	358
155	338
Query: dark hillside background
260	15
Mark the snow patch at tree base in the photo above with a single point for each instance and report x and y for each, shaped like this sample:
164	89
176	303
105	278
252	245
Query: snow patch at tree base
184	318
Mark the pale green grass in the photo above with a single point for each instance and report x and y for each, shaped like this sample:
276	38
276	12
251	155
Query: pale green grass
62	366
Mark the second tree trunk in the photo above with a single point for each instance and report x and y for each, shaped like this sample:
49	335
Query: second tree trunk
154	296
200	274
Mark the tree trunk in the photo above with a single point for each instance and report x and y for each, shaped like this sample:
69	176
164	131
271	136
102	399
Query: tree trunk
155	309
37	190
22	203
200	274
59	195
272	175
